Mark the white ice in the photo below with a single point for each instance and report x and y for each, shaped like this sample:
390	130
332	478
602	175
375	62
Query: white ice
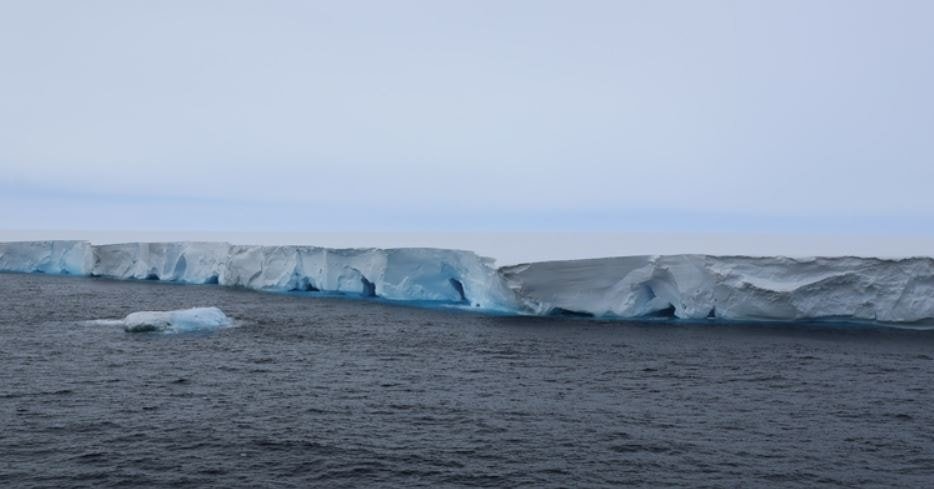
179	321
730	287
54	257
690	287
405	274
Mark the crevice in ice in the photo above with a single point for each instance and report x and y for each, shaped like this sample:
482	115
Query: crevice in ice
151	276
212	280
666	313
180	266
649	292
562	312
459	287
305	285
369	288
713	313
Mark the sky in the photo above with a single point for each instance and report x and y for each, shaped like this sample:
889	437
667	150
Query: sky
779	117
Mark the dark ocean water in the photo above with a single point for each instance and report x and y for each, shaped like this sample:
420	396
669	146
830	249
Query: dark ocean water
334	393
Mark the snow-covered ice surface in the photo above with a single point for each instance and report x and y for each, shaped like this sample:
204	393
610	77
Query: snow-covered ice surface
685	287
180	321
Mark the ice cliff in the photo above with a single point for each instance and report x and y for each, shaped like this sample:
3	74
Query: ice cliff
55	257
729	288
409	274
688	287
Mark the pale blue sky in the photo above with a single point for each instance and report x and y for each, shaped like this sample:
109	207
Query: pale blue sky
764	116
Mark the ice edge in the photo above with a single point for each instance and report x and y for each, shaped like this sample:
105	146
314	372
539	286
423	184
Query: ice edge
689	288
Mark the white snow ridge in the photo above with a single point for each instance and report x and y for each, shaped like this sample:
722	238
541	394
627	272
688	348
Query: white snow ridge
682	287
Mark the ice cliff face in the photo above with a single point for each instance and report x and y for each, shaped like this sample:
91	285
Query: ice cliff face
693	287
729	287
411	274
56	257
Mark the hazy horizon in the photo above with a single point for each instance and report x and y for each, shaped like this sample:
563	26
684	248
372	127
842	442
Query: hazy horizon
725	118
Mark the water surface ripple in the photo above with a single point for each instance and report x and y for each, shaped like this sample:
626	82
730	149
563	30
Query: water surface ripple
335	393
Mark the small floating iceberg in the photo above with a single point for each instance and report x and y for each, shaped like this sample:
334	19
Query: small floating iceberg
179	321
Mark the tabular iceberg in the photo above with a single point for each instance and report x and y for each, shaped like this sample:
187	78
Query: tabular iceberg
408	274
55	257
730	288
690	287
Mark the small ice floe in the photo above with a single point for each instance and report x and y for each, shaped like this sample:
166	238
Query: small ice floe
179	321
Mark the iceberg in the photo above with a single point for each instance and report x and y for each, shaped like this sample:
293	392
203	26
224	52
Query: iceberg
418	275
674	287
182	320
54	257
741	288
186	262
408	274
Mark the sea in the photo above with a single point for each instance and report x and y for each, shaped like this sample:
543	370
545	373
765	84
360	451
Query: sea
334	392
